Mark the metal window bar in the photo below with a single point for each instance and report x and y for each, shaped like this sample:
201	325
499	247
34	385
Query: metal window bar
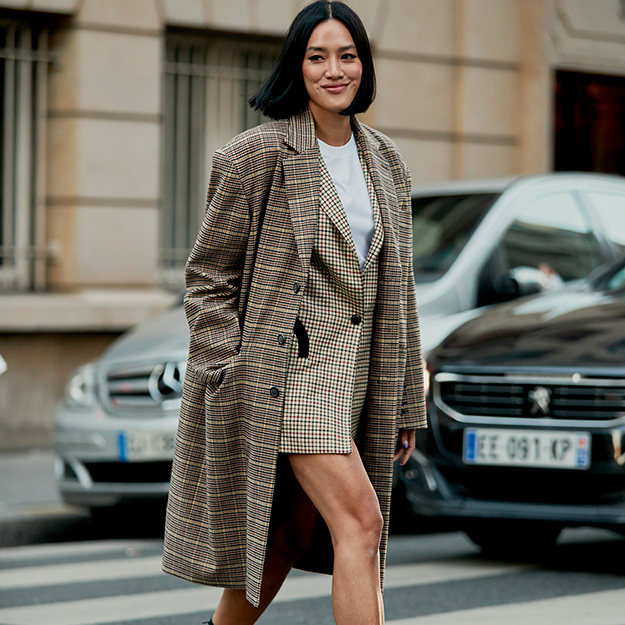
24	60
207	83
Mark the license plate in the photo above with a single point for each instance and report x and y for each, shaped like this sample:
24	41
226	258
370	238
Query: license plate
528	448
145	445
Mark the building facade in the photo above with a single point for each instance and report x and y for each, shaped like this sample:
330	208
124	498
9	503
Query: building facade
111	110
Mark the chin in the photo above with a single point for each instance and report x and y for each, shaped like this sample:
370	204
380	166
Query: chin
335	107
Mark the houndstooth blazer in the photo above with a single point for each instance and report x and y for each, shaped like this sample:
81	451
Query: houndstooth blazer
328	364
245	279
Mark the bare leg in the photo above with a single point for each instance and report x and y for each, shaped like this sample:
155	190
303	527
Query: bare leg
293	520
340	489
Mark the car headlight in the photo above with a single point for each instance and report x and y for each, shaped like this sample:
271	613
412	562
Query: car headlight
81	387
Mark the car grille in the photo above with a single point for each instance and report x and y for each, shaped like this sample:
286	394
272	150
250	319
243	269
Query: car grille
531	397
144	387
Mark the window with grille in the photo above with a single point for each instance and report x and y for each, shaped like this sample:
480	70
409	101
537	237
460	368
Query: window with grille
23	80
207	83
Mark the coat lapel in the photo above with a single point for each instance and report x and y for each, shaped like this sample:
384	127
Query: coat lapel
301	166
301	180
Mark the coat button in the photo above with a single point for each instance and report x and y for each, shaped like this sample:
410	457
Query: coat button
281	339
297	287
356	319
275	391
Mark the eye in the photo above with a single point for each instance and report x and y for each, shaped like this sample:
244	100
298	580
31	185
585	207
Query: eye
315	57
349	56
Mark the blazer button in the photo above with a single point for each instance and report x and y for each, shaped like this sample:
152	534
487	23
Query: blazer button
356	319
297	287
281	339
275	391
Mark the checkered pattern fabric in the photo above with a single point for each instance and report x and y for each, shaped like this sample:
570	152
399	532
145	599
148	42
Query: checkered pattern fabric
325	391
244	292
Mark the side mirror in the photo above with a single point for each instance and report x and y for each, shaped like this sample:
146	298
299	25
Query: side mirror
519	282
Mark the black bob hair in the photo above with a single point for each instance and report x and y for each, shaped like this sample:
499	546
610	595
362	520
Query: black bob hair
283	93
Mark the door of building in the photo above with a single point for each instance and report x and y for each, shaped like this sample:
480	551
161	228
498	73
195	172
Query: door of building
590	122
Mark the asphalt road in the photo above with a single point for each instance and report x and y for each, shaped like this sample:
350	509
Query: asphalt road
437	579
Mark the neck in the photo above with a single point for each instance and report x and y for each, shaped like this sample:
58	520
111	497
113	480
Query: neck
332	128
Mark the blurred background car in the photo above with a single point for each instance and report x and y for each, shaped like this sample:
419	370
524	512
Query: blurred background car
476	243
527	419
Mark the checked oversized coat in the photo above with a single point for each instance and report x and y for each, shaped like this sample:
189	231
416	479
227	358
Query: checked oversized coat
245	279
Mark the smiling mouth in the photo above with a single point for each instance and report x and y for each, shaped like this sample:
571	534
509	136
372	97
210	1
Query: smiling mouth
336	88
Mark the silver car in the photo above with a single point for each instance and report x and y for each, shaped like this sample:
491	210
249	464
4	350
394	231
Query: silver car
476	243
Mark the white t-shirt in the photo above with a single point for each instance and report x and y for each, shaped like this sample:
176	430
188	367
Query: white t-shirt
345	169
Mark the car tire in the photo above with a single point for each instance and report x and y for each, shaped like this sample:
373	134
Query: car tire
517	539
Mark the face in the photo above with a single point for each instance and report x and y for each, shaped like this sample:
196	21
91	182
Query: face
332	70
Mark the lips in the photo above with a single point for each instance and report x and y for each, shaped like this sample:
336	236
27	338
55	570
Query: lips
336	88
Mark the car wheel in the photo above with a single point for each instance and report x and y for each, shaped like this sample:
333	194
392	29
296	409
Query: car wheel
518	539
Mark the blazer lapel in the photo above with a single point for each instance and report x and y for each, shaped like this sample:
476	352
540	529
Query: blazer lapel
384	186
331	204
378	233
301	180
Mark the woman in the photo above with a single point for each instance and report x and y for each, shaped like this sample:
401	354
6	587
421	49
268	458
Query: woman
304	377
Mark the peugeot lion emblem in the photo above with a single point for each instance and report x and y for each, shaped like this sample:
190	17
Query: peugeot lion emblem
540	398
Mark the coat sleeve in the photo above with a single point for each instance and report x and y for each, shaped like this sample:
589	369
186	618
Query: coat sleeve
214	271
413	411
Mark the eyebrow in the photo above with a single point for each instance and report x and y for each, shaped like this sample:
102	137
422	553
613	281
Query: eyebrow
321	49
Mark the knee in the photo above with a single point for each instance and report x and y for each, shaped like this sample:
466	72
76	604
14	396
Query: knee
364	530
372	524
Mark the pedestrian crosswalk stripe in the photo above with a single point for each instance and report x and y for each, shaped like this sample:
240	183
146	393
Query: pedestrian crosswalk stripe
597	608
87	548
434	572
202	599
112	609
55	574
128	568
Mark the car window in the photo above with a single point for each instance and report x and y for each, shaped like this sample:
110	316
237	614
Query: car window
551	233
610	207
617	281
441	227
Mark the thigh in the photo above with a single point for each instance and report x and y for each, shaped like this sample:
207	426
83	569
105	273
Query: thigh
339	488
293	515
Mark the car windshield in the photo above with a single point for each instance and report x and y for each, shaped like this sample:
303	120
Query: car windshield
441	227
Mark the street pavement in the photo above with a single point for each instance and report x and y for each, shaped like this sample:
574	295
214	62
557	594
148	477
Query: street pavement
108	571
31	509
431	580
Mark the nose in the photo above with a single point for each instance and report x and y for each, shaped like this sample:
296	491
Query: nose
334	68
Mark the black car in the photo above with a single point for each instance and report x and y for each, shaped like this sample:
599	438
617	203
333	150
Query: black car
527	418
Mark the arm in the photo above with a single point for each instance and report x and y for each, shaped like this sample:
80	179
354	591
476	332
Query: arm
214	271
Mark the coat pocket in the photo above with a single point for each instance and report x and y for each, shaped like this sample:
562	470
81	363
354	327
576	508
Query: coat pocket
215	378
